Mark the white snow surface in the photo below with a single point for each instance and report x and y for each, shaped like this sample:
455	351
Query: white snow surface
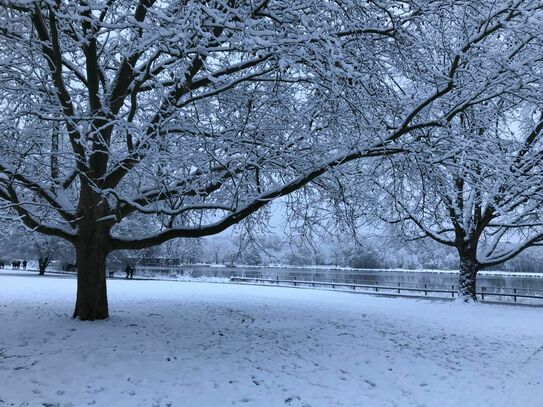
201	344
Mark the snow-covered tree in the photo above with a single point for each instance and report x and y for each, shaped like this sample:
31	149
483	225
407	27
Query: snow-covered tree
185	250
476	186
46	248
188	117
17	242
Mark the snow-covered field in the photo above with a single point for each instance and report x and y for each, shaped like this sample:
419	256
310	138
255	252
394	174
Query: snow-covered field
201	344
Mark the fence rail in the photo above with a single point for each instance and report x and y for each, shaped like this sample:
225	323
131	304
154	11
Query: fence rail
390	287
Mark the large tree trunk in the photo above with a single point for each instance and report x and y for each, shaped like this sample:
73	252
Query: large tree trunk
91	302
91	248
468	277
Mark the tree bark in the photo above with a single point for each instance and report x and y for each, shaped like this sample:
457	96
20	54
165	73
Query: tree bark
91	303
468	277
92	247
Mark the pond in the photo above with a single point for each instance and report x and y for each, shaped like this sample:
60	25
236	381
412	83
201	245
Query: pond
525	283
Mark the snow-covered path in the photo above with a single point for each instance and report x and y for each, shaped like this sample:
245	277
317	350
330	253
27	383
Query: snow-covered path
199	344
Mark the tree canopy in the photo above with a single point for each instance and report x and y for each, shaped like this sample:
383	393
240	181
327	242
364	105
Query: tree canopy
126	124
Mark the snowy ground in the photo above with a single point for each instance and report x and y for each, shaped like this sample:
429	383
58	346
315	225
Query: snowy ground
201	344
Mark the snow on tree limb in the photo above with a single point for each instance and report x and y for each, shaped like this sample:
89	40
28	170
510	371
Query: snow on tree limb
183	113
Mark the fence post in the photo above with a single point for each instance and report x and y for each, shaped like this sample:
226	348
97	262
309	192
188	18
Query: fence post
425	287
398	288
483	293
376	289
453	291
354	287
295	281
313	283
333	285
277	278
515	294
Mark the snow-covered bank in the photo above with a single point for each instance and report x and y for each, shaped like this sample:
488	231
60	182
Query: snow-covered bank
218	345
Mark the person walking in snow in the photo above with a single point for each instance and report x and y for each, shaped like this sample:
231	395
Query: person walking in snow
129	270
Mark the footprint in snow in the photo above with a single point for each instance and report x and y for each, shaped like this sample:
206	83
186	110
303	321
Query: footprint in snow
290	400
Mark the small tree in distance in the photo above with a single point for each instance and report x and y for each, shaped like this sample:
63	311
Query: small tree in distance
47	248
24	244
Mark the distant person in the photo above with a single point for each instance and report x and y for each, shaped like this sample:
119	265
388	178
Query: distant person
24	264
129	270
